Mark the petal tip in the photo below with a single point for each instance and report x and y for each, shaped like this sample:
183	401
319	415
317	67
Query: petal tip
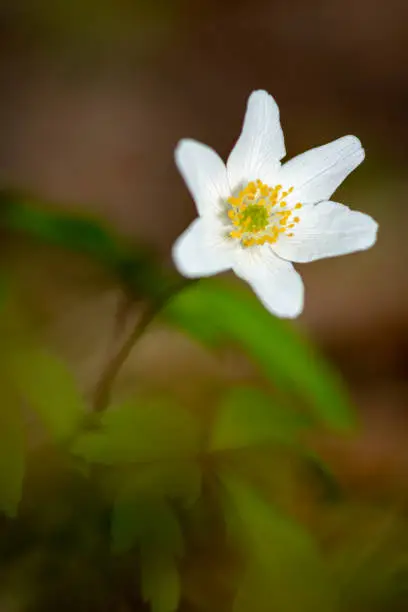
356	148
374	233
280	289
293	312
182	146
370	233
258	93
261	95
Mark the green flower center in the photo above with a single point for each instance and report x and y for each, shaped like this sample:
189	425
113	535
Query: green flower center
254	218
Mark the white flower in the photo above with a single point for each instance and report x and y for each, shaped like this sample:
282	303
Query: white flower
257	216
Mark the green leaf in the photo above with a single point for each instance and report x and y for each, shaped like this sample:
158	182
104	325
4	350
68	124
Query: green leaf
284	570
49	224
147	522
46	384
176	480
56	227
249	417
213	314
151	525
160	582
12	454
156	430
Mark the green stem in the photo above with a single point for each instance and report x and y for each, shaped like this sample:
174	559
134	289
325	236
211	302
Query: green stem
104	387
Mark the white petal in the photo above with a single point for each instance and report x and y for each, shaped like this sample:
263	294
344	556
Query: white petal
197	252
204	173
261	145
275	281
316	174
326	230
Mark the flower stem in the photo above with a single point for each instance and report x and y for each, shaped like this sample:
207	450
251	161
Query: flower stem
103	390
104	387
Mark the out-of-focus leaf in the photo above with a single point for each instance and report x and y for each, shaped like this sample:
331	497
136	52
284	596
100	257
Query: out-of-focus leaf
150	524
147	522
249	417
284	569
160	580
48	388
134	432
51	225
12	453
176	480
212	314
39	378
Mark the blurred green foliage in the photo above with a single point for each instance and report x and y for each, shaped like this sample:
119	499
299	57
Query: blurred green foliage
213	313
122	507
284	570
248	417
12	452
164	432
46	385
134	266
150	524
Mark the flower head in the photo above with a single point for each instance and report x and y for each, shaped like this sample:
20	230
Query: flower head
256	215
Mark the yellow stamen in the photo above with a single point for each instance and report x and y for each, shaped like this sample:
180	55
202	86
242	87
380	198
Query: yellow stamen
254	220
234	201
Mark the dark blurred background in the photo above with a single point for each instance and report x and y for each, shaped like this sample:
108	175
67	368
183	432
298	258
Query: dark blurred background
96	94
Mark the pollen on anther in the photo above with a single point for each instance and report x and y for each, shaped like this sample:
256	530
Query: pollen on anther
259	214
